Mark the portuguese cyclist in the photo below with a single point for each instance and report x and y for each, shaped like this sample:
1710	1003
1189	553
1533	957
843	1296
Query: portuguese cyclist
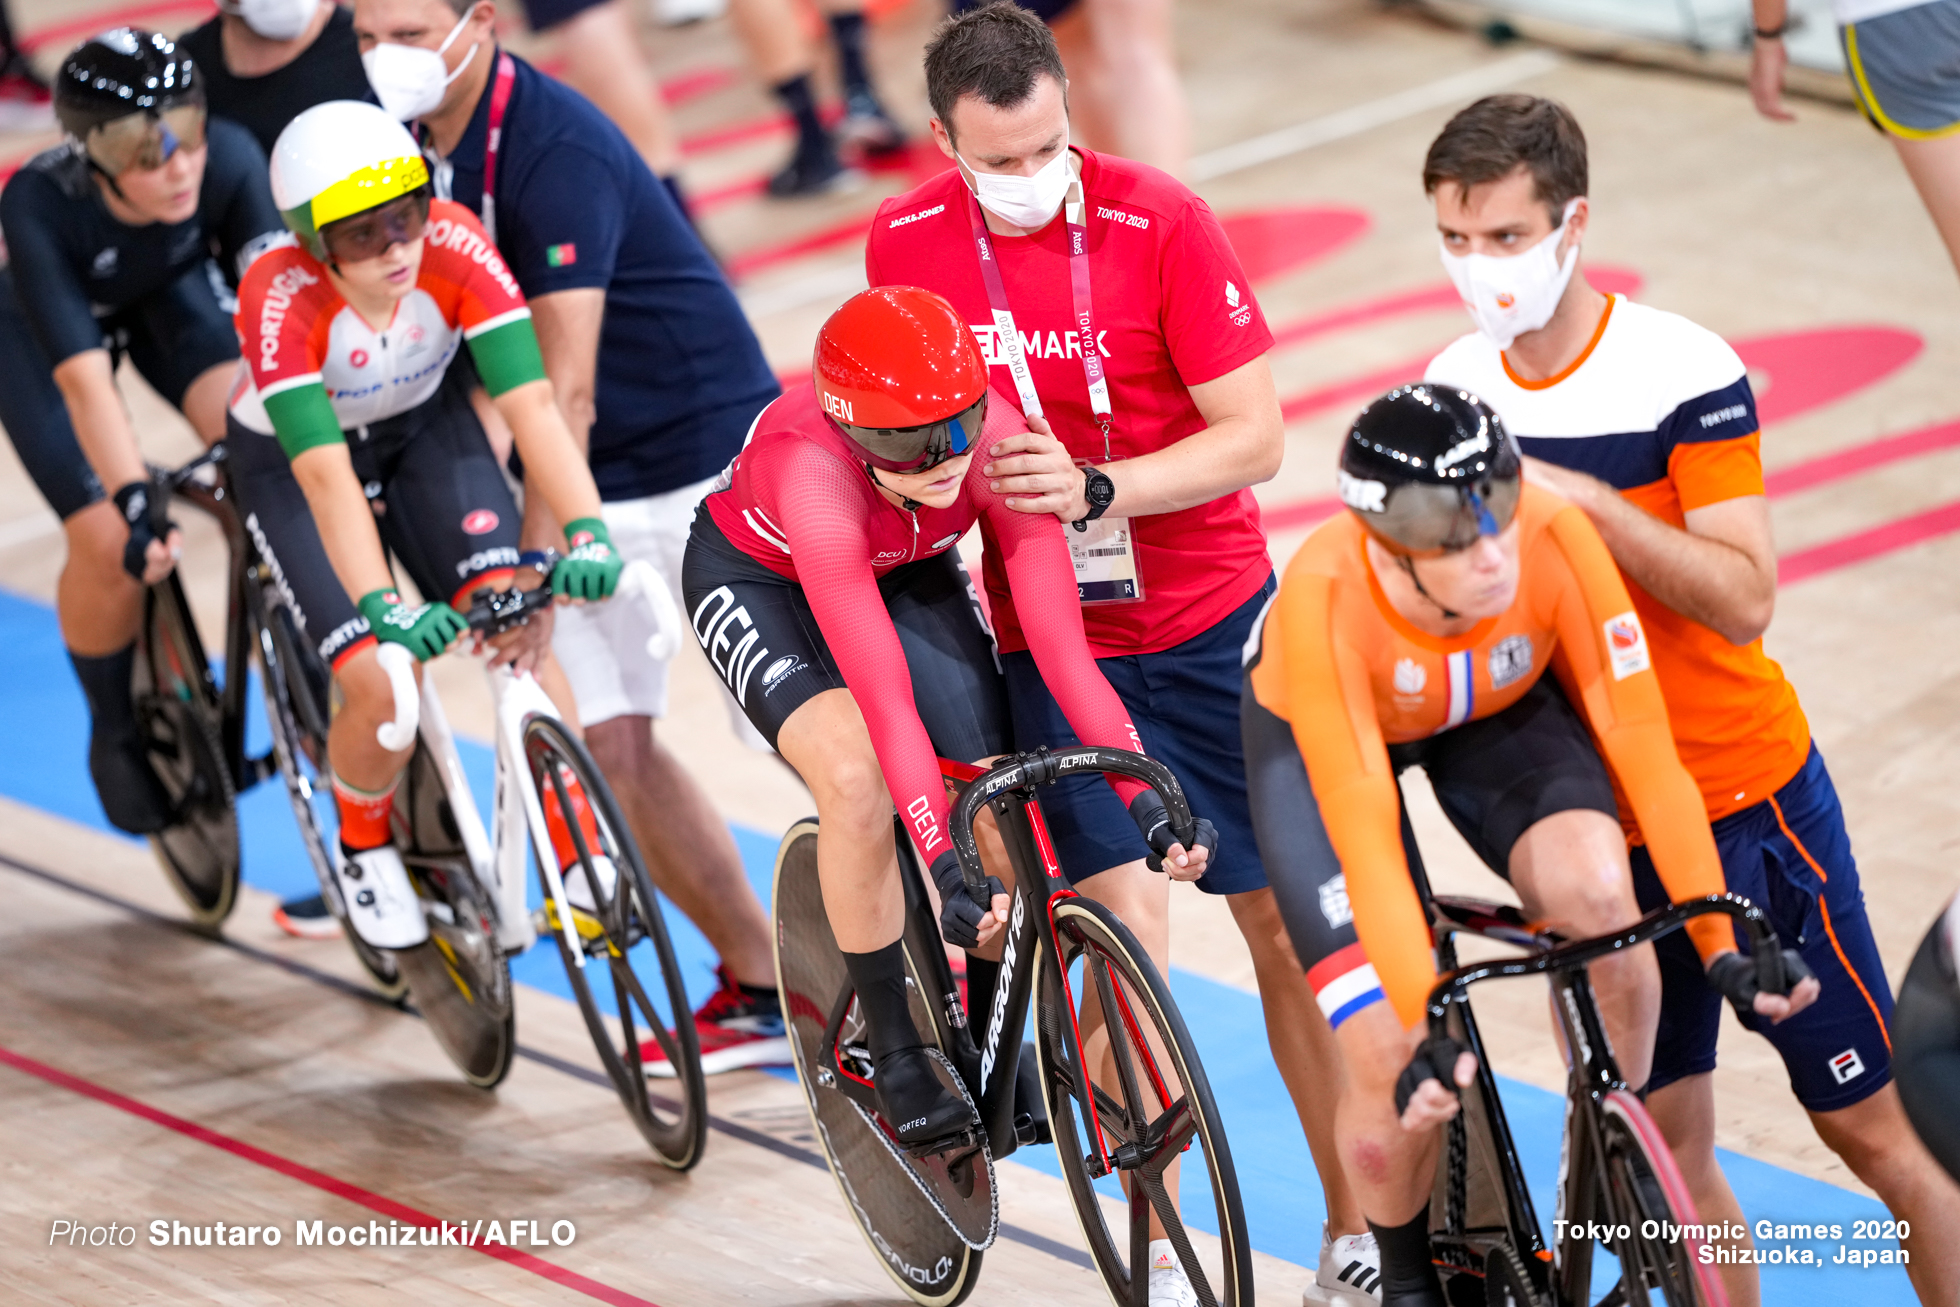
823	585
351	409
1416	630
119	244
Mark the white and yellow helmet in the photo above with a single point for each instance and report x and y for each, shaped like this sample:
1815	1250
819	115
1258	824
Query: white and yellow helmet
339	159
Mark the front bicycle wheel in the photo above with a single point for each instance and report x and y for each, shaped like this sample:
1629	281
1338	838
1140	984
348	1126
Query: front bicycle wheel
296	687
917	1247
1152	1107
177	711
625	933
1641	1188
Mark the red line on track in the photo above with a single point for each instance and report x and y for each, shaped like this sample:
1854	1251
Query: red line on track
1827	468
134	15
1862	545
824	238
317	1179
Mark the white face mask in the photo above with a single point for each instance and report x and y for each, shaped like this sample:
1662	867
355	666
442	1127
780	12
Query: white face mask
410	79
1026	202
1508	297
275	20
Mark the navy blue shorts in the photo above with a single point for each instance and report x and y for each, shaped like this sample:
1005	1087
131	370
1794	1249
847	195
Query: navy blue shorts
542	15
1184	703
1790	855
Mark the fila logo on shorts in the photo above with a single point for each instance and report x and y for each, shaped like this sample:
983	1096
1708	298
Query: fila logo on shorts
1847	1066
1344	982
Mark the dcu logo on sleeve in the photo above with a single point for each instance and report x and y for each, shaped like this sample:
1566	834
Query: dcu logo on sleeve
1626	645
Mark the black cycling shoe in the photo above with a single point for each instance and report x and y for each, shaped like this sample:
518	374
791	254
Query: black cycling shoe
867	129
814	172
917	1103
131	794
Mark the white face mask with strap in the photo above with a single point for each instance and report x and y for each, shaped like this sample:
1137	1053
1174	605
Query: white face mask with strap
275	20
1508	297
1026	202
409	79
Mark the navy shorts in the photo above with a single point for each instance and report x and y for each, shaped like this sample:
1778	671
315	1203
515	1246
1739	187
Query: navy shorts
543	15
1184	703
1790	855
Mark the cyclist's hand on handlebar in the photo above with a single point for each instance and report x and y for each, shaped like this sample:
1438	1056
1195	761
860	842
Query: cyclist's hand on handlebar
1423	1098
591	569
425	630
1166	852
521	648
962	921
1738	979
146	556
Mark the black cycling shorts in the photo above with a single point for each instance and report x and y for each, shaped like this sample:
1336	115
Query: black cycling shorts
440	502
1494	777
956	680
173	337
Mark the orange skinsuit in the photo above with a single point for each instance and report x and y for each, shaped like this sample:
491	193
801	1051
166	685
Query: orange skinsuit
1332	650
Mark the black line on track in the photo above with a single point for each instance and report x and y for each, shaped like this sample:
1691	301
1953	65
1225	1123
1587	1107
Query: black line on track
353	989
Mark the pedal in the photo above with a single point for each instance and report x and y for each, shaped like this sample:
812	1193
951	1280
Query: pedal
544	920
955	1173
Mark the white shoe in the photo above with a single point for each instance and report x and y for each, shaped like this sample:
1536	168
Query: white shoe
1351	1265
381	903
580	893
1168	1285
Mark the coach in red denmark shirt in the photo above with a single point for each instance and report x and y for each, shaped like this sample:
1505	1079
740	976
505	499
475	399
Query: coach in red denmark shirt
1192	422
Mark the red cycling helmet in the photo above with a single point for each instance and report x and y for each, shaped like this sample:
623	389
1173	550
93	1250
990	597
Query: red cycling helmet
901	376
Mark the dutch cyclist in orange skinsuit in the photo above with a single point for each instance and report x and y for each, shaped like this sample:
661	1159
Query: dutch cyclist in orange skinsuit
1416	630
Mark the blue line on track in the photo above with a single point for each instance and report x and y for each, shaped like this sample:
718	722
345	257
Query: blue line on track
43	719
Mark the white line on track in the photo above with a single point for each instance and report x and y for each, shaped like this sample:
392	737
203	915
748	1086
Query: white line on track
27	529
1353	121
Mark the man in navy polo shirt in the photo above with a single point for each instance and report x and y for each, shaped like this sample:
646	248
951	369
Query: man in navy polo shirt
656	369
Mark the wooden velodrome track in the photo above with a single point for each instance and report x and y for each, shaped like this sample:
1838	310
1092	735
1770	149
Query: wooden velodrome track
151	1073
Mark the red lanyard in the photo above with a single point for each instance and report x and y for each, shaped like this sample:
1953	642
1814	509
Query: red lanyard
499	101
1007	339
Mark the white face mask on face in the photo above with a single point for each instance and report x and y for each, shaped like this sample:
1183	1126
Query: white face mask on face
1026	202
275	20
1508	297
410	79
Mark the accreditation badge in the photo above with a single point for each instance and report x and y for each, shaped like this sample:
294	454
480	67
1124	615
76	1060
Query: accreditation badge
1105	561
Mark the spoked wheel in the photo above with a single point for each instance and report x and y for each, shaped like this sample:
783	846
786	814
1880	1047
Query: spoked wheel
296	687
1153	1108
1639	1182
459	978
177	711
915	1245
628	984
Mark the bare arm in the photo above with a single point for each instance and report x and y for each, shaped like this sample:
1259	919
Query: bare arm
1720	571
333	492
88	386
567	323
554	463
1240	446
1768	59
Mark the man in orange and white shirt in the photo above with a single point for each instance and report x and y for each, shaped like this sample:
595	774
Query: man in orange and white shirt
1647	423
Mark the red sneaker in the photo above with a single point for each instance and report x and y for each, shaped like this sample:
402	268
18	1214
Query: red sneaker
736	1030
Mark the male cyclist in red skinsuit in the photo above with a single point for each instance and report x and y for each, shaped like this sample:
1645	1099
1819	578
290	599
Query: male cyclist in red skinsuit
823	585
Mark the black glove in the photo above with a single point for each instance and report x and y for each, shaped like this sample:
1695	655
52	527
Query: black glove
959	915
1148	812
133	501
1739	979
1435	1060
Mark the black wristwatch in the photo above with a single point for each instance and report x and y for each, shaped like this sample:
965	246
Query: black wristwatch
1099	491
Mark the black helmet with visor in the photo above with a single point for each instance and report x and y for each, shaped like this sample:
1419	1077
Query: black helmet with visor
131	98
1429	470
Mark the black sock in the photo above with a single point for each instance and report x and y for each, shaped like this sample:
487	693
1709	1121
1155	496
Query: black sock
879	979
756	991
982	977
105	683
1408	1273
847	33
802	105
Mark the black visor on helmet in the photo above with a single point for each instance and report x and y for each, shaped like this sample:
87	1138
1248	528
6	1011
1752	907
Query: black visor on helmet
1425	521
917	449
1429	469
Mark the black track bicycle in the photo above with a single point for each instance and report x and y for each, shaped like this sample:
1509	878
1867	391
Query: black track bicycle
1123	1102
1620	1192
194	726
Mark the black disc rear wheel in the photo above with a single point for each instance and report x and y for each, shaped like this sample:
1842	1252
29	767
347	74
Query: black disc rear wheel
177	710
624	956
1153	1109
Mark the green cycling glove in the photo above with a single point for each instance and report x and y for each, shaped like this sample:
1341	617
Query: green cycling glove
426	630
591	570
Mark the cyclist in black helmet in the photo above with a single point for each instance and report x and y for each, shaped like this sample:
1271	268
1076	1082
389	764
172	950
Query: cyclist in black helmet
122	242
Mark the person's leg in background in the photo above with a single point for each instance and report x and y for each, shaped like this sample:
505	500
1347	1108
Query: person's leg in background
1933	163
689	850
866	126
780	53
26	104
1124	91
605	63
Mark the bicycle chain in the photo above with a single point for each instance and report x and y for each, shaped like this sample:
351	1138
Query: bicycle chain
905	1161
